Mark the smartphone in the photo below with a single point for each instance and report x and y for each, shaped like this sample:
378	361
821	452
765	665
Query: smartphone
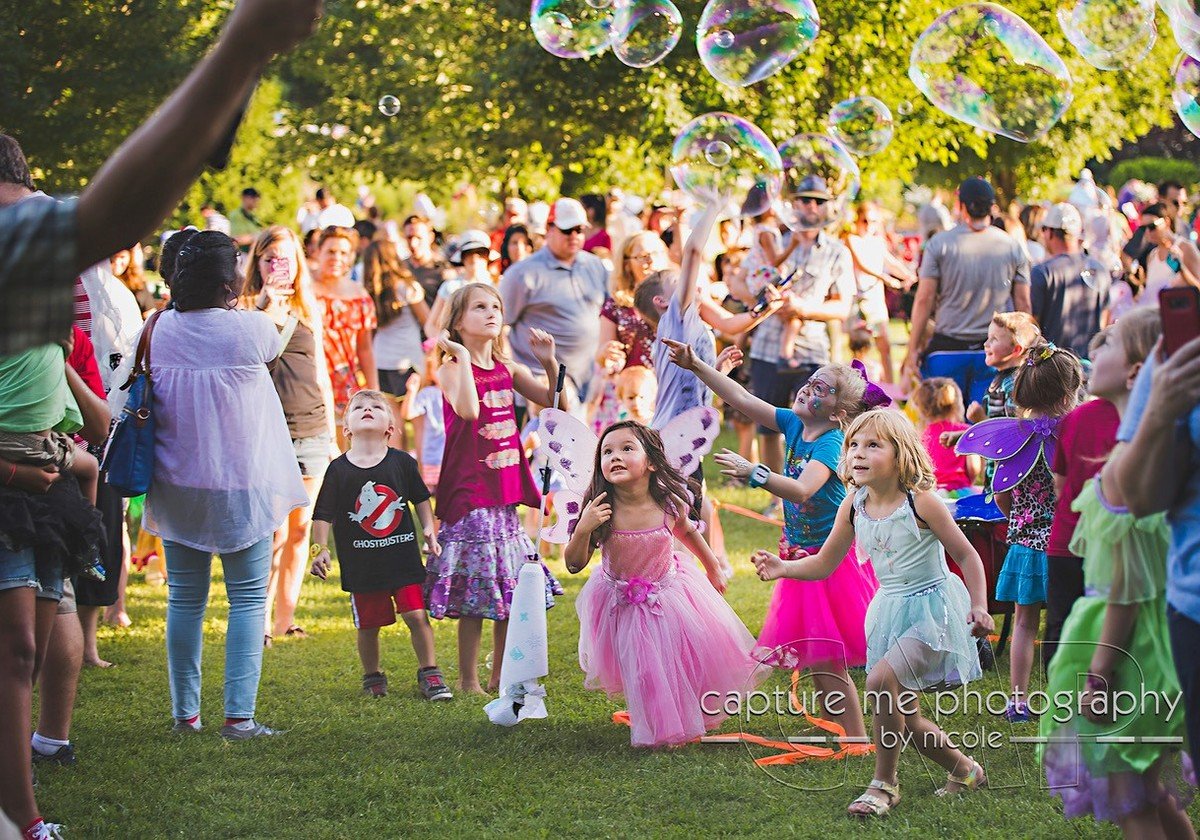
782	283
1179	308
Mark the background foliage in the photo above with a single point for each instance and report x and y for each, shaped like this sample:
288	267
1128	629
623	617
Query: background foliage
482	103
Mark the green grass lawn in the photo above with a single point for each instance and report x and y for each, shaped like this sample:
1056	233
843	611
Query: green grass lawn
350	766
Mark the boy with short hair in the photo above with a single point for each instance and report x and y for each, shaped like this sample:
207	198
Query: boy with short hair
365	498
1010	334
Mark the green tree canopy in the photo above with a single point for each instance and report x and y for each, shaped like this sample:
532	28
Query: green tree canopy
482	102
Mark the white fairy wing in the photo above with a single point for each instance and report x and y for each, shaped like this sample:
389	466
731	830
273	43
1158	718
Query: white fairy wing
689	436
570	447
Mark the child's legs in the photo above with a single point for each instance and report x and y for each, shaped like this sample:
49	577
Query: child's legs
1021	652
422	636
839	698
189	573
884	344
470	631
86	470
499	637
368	649
887	720
246	587
787	339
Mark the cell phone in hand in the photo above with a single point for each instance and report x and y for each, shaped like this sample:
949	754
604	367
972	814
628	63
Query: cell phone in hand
1179	308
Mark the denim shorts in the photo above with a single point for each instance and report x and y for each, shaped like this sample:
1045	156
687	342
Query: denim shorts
18	569
312	453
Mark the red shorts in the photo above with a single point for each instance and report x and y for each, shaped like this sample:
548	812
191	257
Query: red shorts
376	609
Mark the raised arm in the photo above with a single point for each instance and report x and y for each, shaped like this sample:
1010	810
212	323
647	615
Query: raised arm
693	255
147	176
733	394
457	381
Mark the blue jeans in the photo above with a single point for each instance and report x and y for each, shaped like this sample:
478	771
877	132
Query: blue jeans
1185	640
189	572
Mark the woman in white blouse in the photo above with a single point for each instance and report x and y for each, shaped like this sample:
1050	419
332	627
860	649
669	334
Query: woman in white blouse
225	473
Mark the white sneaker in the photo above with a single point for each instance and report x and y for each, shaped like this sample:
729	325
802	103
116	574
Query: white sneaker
47	831
246	730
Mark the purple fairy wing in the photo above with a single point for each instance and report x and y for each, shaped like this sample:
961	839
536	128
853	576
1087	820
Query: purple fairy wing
569	446
568	505
689	436
1015	444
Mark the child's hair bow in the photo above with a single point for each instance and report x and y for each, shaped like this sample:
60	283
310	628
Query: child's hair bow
874	396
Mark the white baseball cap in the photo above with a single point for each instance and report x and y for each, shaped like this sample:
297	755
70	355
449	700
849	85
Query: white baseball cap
1064	217
335	215
568	213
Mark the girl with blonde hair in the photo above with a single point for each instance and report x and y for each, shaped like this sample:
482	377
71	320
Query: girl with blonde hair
277	283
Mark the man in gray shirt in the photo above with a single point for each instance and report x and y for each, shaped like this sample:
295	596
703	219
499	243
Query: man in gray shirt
967	274
559	289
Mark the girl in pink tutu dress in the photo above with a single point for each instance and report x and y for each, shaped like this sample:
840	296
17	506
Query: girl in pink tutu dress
651	626
817	624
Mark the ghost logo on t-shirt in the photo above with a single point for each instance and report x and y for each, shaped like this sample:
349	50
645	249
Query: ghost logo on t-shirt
378	509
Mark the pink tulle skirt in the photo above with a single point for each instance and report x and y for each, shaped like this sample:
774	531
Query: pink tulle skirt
819	622
673	647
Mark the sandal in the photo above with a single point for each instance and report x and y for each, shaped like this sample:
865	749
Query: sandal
876	806
296	632
971	782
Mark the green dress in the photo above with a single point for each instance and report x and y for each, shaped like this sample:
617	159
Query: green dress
1124	562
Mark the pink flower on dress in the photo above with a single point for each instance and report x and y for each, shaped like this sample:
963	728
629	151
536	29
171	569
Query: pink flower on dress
638	590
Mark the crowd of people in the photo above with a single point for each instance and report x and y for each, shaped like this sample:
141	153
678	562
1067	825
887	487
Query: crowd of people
289	361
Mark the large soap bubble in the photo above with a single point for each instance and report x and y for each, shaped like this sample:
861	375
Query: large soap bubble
1185	24
984	65
862	124
1187	92
820	179
571	28
1109	34
743	41
725	155
645	31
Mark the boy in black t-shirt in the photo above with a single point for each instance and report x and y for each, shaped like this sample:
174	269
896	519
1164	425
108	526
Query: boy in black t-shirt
365	497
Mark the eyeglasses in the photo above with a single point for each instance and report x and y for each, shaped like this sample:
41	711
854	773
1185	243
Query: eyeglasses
644	259
569	231
808	199
818	388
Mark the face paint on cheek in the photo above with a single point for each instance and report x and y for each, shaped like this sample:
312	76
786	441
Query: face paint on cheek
816	404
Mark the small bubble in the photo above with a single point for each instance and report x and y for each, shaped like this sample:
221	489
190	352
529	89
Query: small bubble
718	153
724	39
389	105
904	108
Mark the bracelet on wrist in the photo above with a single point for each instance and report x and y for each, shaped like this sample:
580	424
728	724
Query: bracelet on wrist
314	551
759	475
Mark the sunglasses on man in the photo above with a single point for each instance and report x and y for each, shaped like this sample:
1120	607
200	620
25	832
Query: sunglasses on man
569	231
808	199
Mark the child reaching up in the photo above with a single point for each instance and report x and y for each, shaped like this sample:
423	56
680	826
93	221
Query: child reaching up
817	624
939	404
921	621
483	544
365	498
651	626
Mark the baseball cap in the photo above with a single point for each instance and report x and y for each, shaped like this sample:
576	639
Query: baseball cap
976	191
1064	217
812	186
471	240
250	192
335	215
567	213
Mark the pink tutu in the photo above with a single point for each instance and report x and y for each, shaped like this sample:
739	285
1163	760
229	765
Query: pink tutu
665	639
812	622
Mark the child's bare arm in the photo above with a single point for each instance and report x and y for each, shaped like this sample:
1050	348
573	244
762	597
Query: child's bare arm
320	536
815	566
686	531
935	513
428	528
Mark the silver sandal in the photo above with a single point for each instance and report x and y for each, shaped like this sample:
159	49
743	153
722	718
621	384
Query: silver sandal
877	806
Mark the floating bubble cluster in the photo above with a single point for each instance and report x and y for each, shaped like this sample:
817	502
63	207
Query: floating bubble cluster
1110	34
719	154
820	179
1186	95
572	28
984	65
389	105
743	41
862	124
645	31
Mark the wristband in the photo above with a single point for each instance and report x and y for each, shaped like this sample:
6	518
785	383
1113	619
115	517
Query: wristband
315	550
759	475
